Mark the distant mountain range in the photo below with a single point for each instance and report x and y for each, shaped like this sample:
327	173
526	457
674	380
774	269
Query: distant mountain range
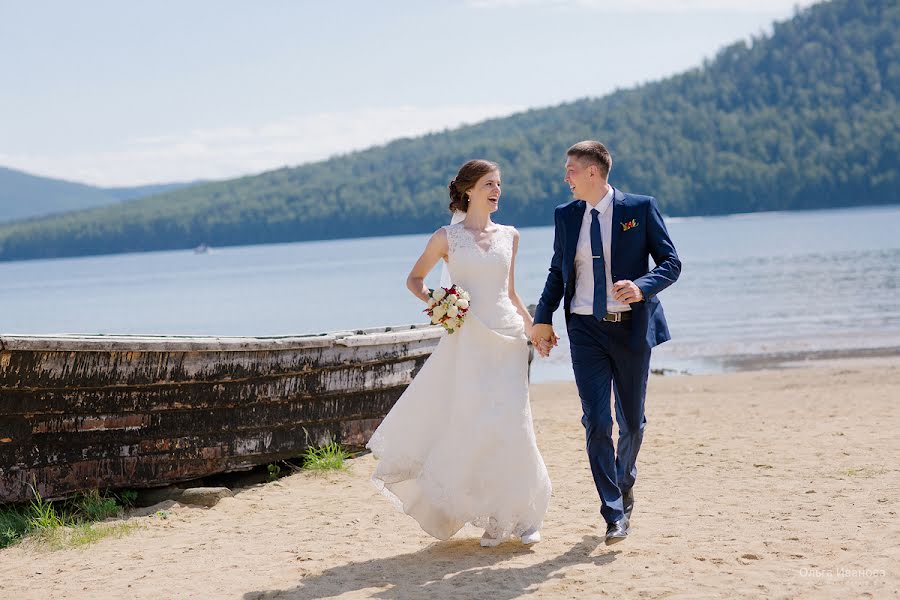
24	196
806	117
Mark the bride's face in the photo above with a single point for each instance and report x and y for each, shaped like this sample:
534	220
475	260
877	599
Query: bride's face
485	195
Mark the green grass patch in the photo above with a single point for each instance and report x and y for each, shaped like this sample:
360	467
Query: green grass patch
127	498
42	515
13	525
65	523
330	457
865	472
80	534
85	533
96	507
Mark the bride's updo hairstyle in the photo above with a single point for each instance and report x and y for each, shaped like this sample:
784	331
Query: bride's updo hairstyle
465	180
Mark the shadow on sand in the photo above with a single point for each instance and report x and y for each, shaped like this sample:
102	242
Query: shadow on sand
453	569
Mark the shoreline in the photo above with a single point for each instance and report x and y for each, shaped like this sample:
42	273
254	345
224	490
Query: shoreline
787	360
737	363
561	372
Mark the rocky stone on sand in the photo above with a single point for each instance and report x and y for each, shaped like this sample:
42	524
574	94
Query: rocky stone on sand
204	496
146	511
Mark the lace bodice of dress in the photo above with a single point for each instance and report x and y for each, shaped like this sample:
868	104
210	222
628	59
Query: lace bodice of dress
485	275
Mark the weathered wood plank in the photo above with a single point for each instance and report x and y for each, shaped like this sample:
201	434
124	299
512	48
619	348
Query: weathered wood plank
150	343
171	396
182	460
176	343
88	369
71	437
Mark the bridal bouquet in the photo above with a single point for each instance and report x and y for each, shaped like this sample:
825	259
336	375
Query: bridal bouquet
448	307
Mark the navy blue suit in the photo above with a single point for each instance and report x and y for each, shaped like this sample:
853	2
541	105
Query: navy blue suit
617	354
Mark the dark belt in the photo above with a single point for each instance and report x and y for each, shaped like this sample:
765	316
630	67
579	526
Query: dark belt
617	317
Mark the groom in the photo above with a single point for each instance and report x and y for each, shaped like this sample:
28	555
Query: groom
604	239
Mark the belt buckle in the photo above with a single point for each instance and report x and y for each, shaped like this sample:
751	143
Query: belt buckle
617	317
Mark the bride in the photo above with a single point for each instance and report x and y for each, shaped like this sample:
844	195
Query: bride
458	446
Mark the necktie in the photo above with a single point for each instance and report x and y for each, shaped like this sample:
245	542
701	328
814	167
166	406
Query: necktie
599	266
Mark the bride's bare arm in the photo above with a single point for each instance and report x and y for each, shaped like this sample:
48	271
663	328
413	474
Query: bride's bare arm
435	250
517	302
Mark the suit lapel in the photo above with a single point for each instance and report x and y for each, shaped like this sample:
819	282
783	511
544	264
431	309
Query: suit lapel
616	227
573	229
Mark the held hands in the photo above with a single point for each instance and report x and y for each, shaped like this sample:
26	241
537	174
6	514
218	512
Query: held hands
543	338
627	292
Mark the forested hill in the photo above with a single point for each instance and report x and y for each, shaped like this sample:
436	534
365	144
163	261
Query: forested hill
23	195
806	117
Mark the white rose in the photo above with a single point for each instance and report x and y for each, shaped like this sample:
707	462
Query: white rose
435	320
463	303
452	311
452	298
451	323
465	296
439	294
439	311
431	302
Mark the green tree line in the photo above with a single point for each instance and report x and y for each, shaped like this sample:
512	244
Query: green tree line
804	117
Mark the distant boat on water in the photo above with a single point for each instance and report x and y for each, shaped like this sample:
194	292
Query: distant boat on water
201	249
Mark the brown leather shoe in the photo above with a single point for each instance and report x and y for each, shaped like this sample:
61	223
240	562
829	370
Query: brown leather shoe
617	531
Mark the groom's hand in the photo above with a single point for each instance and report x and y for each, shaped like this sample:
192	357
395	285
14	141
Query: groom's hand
627	291
543	338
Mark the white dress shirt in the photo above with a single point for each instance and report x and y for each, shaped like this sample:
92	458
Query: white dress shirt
583	302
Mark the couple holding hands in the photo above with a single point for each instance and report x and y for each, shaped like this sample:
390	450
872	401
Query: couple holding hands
458	446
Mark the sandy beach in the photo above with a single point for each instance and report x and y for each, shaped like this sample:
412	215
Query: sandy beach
762	484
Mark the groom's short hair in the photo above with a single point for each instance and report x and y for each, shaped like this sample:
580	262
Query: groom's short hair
592	153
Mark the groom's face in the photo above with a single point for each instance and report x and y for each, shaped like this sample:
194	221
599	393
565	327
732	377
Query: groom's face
578	177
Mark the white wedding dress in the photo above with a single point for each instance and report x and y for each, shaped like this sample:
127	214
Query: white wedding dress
458	446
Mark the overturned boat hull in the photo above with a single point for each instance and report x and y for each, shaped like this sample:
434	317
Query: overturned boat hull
83	412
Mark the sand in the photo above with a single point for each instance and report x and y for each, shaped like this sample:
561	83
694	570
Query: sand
767	484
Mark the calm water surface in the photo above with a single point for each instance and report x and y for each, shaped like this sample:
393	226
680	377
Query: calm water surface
753	285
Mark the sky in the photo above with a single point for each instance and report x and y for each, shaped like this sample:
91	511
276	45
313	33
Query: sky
116	93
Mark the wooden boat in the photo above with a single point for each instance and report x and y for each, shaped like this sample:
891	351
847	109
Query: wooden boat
79	412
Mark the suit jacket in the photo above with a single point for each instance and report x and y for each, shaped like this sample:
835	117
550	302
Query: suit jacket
631	250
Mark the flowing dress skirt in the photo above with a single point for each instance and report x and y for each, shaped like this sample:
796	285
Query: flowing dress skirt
458	446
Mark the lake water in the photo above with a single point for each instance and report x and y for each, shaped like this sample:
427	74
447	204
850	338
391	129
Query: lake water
752	287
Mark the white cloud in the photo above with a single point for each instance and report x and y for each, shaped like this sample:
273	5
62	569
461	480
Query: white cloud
233	151
656	6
